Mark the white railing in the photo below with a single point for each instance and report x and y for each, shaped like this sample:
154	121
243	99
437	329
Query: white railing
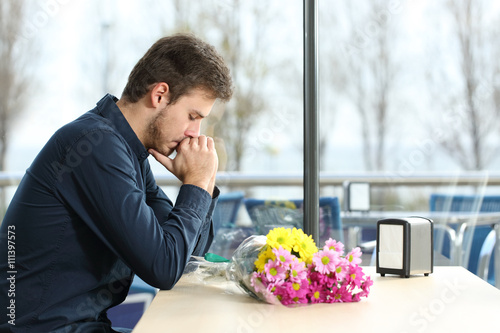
242	180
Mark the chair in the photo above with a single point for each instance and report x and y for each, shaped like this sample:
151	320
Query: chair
227	235
444	238
226	211
267	214
468	203
485	267
128	313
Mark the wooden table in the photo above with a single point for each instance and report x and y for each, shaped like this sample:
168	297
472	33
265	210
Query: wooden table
449	300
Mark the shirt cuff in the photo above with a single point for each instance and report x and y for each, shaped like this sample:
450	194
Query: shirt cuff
195	198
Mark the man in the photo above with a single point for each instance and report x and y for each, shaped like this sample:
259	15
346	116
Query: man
88	214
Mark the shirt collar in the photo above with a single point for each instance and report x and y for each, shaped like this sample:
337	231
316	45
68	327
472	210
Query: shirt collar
108	109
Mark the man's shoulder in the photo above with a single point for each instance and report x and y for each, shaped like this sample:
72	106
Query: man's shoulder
88	121
88	125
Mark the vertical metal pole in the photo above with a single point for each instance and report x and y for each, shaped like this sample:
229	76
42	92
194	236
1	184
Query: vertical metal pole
311	146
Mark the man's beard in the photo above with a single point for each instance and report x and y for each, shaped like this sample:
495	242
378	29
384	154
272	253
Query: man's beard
155	134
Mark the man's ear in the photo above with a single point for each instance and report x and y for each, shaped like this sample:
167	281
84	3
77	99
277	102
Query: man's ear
159	95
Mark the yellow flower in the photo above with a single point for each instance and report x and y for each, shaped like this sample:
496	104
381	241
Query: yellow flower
304	245
265	254
281	203
280	237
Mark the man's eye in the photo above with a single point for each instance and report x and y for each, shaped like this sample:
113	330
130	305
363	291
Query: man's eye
191	117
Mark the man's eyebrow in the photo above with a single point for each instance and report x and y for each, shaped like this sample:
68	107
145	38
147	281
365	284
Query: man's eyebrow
201	115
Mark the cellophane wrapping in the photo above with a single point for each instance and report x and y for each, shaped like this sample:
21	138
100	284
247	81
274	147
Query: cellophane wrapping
238	270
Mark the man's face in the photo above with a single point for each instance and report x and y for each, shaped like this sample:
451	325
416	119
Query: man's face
178	121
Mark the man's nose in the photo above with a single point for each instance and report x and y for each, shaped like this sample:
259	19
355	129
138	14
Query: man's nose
193	131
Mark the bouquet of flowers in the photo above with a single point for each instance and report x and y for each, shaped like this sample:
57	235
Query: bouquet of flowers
286	267
291	267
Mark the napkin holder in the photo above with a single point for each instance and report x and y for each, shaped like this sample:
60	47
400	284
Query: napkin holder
405	246
356	196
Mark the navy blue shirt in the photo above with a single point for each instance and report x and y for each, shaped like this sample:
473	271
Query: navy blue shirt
86	216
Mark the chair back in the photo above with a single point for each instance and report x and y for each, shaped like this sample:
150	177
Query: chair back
268	214
226	210
473	237
485	267
128	313
464	203
444	236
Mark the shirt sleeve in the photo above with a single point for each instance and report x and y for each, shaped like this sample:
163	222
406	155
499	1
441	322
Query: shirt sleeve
207	231
161	205
105	188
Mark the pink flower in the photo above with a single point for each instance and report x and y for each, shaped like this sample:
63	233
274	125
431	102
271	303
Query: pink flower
274	271
283	256
340	295
317	293
355	276
297	291
298	271
292	292
325	261
271	286
342	269
316	277
256	282
356	297
365	287
354	257
263	288
332	244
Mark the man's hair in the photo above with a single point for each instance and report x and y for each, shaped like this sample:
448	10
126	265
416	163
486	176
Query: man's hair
184	62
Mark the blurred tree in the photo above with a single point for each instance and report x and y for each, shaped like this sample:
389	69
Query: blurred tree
13	79
371	74
331	76
467	89
102	70
14	83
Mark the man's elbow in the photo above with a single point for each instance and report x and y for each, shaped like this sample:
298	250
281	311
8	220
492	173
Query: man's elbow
167	285
167	281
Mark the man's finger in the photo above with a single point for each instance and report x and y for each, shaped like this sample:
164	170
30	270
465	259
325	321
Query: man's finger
164	160
210	143
202	141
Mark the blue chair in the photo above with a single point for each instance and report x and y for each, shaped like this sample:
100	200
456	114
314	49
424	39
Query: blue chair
128	313
226	211
267	214
468	203
227	235
444	238
487	259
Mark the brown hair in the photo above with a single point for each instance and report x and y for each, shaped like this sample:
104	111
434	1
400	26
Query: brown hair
184	62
